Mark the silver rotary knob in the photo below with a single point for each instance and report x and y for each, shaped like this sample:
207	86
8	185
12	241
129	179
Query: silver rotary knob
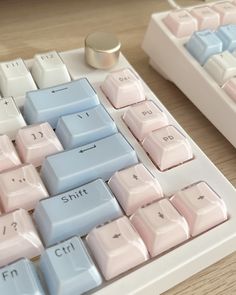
102	50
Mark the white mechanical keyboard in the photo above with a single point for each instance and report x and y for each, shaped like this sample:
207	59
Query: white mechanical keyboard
195	48
102	192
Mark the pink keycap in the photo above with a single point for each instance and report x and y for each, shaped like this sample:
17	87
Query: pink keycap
201	207
230	88
207	17
167	147
18	237
227	12
35	142
123	88
181	23
21	187
8	155
135	187
143	118
160	226
117	247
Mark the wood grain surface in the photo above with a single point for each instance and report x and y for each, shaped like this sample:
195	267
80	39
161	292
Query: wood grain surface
33	26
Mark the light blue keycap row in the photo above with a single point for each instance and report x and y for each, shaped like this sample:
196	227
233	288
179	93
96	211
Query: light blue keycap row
85	127
204	44
20	278
77	212
101	159
227	34
51	103
68	269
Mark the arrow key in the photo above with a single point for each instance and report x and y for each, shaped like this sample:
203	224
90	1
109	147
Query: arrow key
201	206
135	187
160	226
117	247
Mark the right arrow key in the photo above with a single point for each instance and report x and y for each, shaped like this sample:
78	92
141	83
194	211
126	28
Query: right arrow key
201	207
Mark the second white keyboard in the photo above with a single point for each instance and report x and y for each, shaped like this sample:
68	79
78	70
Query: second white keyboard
195	48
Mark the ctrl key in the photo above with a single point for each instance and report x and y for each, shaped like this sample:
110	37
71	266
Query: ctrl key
20	278
68	269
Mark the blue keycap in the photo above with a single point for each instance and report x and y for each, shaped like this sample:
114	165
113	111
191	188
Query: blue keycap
100	159
78	211
68	269
51	103
227	34
85	127
204	44
20	278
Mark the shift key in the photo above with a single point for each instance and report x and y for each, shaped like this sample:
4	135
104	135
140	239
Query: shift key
78	211
101	159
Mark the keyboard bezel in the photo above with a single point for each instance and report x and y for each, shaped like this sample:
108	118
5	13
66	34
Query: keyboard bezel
161	273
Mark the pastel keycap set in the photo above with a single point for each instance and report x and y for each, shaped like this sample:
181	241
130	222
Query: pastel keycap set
195	48
99	185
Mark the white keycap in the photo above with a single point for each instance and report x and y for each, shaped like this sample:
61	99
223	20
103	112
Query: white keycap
49	70
15	80
11	119
221	67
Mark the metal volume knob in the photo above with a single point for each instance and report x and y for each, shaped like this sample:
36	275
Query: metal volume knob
102	50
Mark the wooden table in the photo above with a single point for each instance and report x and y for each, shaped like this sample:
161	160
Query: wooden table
32	26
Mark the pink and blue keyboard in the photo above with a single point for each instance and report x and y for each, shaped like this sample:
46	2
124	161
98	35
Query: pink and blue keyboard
101	190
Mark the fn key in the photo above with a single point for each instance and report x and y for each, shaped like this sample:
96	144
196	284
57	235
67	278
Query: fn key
20	278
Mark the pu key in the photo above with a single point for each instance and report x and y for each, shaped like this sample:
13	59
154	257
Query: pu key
143	118
18	237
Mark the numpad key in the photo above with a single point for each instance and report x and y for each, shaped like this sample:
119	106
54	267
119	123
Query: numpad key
101	190
195	48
